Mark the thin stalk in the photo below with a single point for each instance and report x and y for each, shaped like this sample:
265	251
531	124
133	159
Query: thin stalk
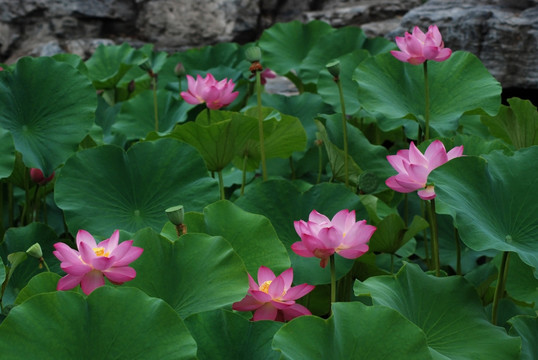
333	279
244	175
392	263
458	251
344	128
292	168
435	240
260	123
427	102
26	207
1	209
208	115
320	164
499	289
155	104
35	203
11	208
406	209
425	236
221	185
44	263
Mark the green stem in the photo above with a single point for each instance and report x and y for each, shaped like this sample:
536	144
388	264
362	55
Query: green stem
392	263
406	209
33	215
435	240
499	289
425	236
260	123
221	185
344	128
292	168
244	175
44	263
11	207
333	279
208	115
155	104
320	164
427	102
458	251
1	209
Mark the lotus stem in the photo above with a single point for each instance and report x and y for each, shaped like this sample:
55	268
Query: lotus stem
320	164
35	203
435	240
42	260
221	185
155	104
11	209
425	236
244	174
499	289
458	251
333	279
344	128
260	123
427	102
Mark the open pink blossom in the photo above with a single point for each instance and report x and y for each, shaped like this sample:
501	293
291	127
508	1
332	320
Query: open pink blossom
37	176
273	297
215	94
419	47
88	265
413	168
321	237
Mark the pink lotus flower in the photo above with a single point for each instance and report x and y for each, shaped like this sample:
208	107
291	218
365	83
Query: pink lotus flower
274	298
419	47
413	168
267	74
88	265
321	237
215	94
37	176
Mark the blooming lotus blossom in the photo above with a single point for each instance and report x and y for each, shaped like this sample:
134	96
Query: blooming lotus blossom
321	237
273	297
88	265
419	47
215	94
37	176
413	168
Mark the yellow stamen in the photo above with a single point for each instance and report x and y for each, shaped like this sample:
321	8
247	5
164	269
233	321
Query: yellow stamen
100	251
265	286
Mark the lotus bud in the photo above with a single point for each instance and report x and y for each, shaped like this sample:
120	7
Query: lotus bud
333	67
175	214
35	251
37	176
253	54
368	182
131	87
179	70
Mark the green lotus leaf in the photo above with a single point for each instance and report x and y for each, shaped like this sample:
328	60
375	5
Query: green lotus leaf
392	234
458	85
251	235
7	154
19	239
305	106
48	107
354	331
527	328
516	124
503	222
109	64
285	46
106	188
448	310
195	273
217	330
73	60
520	282
283	134
208	57
41	283
111	323
283	203
220	139
137	115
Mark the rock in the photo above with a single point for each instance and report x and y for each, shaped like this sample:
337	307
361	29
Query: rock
504	37
341	13
171	24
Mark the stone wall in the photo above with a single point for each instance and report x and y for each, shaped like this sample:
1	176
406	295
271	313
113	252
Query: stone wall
503	33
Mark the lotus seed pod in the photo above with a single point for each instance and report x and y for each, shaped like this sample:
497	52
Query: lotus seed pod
333	67
253	54
175	214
